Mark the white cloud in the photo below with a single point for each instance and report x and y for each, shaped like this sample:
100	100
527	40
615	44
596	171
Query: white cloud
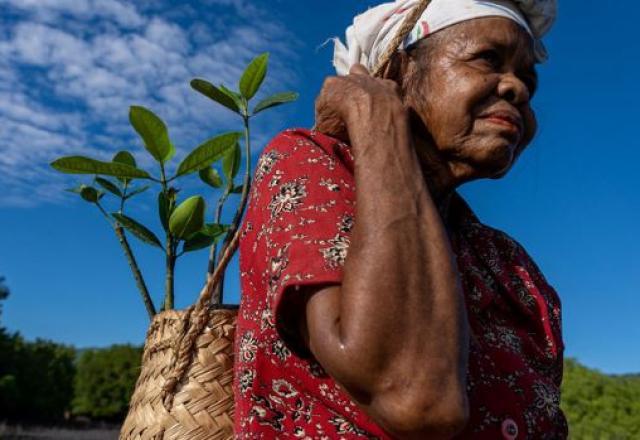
167	36
18	108
119	12
69	70
243	8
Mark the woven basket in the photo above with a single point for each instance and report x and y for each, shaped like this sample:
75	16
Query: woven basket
185	388
202	406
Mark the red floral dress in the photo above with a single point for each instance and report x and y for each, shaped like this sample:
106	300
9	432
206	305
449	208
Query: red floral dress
296	233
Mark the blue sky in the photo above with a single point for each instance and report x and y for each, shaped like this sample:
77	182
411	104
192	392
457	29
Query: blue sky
69	69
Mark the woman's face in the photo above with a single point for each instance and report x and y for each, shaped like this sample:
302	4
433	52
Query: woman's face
473	96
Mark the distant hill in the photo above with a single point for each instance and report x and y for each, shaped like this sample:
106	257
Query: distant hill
600	406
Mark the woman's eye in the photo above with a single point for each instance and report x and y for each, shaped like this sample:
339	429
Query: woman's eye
491	57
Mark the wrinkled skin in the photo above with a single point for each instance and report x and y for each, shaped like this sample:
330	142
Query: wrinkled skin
480	73
458	114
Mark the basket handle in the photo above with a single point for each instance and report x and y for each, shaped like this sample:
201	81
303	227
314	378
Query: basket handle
407	26
196	318
197	315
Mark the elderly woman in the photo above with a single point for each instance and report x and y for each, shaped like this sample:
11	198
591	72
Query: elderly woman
401	315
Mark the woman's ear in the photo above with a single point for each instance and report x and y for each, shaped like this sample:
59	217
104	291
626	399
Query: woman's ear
396	67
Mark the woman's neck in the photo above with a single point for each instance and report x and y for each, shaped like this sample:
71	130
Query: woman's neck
437	174
435	169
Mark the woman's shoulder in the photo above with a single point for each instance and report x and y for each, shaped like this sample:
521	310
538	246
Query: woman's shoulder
303	141
290	136
471	226
491	243
300	171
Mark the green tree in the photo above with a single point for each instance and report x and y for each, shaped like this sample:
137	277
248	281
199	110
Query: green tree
36	379
4	293
8	385
600	406
8	390
105	380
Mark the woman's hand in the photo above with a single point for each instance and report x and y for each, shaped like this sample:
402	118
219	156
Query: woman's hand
357	107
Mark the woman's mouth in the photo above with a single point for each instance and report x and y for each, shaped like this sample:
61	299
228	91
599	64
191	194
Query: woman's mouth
507	121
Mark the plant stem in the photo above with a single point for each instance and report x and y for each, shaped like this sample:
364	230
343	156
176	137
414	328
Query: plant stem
214	247
235	224
170	270
170	251
133	264
124	197
142	287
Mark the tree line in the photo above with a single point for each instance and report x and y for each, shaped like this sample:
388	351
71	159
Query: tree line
43	382
600	406
46	382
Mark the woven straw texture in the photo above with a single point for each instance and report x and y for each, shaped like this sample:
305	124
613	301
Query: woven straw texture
202	406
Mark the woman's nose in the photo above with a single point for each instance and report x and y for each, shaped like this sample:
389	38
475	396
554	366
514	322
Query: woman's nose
513	90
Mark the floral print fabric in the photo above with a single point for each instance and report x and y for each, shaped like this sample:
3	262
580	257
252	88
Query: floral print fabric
297	232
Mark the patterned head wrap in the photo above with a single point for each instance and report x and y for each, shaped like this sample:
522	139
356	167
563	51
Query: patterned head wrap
371	32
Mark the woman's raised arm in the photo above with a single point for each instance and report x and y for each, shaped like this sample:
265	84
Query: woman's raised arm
394	333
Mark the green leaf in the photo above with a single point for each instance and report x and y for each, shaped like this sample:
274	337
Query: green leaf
214	93
236	97
214	229
275	100
109	186
172	152
211	177
137	191
197	241
124	157
253	76
237	189
85	165
207	153
205	237
89	193
187	218
153	132
231	163
137	229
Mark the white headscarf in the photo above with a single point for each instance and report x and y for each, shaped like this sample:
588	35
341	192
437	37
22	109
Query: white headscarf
371	32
